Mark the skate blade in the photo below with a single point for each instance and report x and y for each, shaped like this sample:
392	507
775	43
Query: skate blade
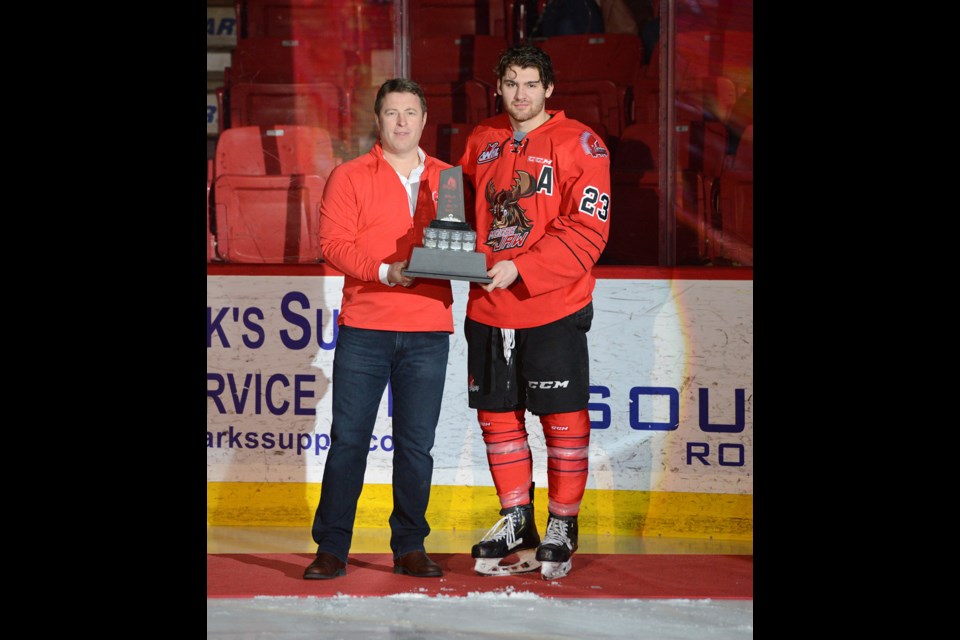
554	570
526	561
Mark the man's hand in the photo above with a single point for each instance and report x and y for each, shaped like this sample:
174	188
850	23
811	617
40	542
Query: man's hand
504	273
395	274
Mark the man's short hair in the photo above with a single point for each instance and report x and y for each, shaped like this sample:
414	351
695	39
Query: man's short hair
399	85
526	56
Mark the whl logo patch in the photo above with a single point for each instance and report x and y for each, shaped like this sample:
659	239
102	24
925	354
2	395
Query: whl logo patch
491	153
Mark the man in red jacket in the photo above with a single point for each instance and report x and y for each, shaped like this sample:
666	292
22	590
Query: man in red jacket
542	192
373	211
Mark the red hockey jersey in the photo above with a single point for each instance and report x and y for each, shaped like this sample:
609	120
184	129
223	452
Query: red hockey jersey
543	202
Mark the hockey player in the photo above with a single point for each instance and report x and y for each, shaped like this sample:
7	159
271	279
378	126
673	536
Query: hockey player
541	185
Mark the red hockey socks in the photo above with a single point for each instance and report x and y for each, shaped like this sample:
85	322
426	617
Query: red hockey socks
567	436
508	455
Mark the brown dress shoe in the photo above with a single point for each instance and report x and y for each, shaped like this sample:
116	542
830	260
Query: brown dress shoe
324	567
417	564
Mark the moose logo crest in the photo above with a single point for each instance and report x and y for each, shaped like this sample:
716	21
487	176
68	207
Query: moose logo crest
510	224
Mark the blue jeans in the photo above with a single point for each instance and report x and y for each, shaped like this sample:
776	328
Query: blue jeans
415	364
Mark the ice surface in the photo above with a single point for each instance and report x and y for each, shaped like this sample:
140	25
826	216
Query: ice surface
481	616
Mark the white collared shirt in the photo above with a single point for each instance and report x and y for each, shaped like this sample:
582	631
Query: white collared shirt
414	179
412	185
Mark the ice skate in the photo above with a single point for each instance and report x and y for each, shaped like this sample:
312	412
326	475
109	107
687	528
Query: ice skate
555	554
510	546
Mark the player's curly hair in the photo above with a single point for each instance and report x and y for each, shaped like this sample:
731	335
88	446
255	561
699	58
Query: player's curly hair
526	56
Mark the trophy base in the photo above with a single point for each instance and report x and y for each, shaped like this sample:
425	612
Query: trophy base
448	265
450	224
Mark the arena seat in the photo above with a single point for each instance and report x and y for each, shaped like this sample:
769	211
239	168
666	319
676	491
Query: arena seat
732	205
457	17
652	69
486	54
461	101
266	193
742	159
290	60
318	20
646	101
646	89
705	53
637	158
319	104
734	238
617	57
635	198
223	107
701	146
457	74
595	103
277	149
613	57
700	152
446	140
211	241
447	58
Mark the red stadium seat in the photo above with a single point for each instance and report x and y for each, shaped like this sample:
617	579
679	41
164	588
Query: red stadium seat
653	65
266	193
318	20
701	137
223	108
735	205
445	140
457	17
637	158
700	151
646	101
617	57
583	60
274	150
732	206
700	54
462	101
635	198
211	241
613	57
448	58
319	104
486	54
289	61
701	146
596	103
738	57
457	75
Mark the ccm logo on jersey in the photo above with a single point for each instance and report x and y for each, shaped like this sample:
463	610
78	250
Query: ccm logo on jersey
591	145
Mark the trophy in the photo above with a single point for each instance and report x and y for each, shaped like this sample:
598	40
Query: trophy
449	244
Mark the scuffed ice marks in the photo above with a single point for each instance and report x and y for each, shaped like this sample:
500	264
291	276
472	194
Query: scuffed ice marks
507	614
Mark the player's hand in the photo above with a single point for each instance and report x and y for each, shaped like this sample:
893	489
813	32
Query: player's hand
503	273
395	274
